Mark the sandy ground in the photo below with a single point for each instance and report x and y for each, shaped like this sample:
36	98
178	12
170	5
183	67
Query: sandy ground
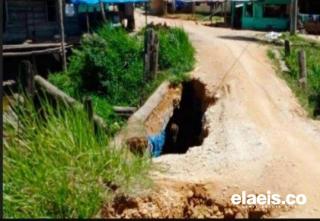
310	37
259	137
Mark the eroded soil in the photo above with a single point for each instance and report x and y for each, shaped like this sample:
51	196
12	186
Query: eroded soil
259	138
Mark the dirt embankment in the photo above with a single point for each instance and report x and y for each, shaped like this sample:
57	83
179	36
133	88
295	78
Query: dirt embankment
181	200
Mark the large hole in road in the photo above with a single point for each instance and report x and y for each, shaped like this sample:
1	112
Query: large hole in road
186	126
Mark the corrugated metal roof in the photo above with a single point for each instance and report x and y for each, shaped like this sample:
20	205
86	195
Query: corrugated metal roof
215	0
93	2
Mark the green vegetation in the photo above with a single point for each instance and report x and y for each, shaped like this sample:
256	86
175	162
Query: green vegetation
109	67
310	96
175	51
55	165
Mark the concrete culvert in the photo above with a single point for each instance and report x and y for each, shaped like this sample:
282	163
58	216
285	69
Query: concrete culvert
186	126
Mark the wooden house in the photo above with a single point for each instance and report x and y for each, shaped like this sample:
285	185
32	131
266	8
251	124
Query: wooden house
36	21
32	29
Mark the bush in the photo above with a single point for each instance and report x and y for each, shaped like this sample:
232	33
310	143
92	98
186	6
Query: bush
109	66
58	167
175	50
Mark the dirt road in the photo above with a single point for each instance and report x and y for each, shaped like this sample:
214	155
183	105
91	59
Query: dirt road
259	137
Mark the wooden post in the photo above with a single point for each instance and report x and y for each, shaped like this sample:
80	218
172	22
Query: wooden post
211	12
146	66
34	64
165	7
225	11
88	20
193	8
103	13
26	77
287	48
151	54
129	10
88	107
147	54
146	14
173	2
302	69
293	16
154	55
63	51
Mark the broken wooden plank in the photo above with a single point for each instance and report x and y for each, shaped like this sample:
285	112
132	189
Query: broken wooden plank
35	52
119	109
60	95
30	46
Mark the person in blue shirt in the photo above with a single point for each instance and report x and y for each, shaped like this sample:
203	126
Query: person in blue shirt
154	143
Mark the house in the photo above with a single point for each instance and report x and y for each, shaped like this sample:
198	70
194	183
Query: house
36	21
261	14
309	16
32	29
202	6
309	7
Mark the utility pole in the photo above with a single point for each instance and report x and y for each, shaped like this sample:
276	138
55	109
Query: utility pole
63	51
165	7
293	16
103	13
173	6
225	11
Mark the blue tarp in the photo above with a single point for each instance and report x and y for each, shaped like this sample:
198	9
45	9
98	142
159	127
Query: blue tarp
92	2
156	143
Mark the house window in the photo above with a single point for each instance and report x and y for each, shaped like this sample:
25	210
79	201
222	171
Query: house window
52	10
249	10
275	11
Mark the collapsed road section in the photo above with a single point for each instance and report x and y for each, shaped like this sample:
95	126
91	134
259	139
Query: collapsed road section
176	109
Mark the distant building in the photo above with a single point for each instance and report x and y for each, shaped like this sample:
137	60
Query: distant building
309	16
261	14
309	7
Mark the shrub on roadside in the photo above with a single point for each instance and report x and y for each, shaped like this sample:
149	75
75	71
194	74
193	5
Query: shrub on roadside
109	66
175	50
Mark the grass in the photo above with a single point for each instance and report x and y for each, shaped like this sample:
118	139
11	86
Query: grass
109	67
176	53
56	166
310	96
